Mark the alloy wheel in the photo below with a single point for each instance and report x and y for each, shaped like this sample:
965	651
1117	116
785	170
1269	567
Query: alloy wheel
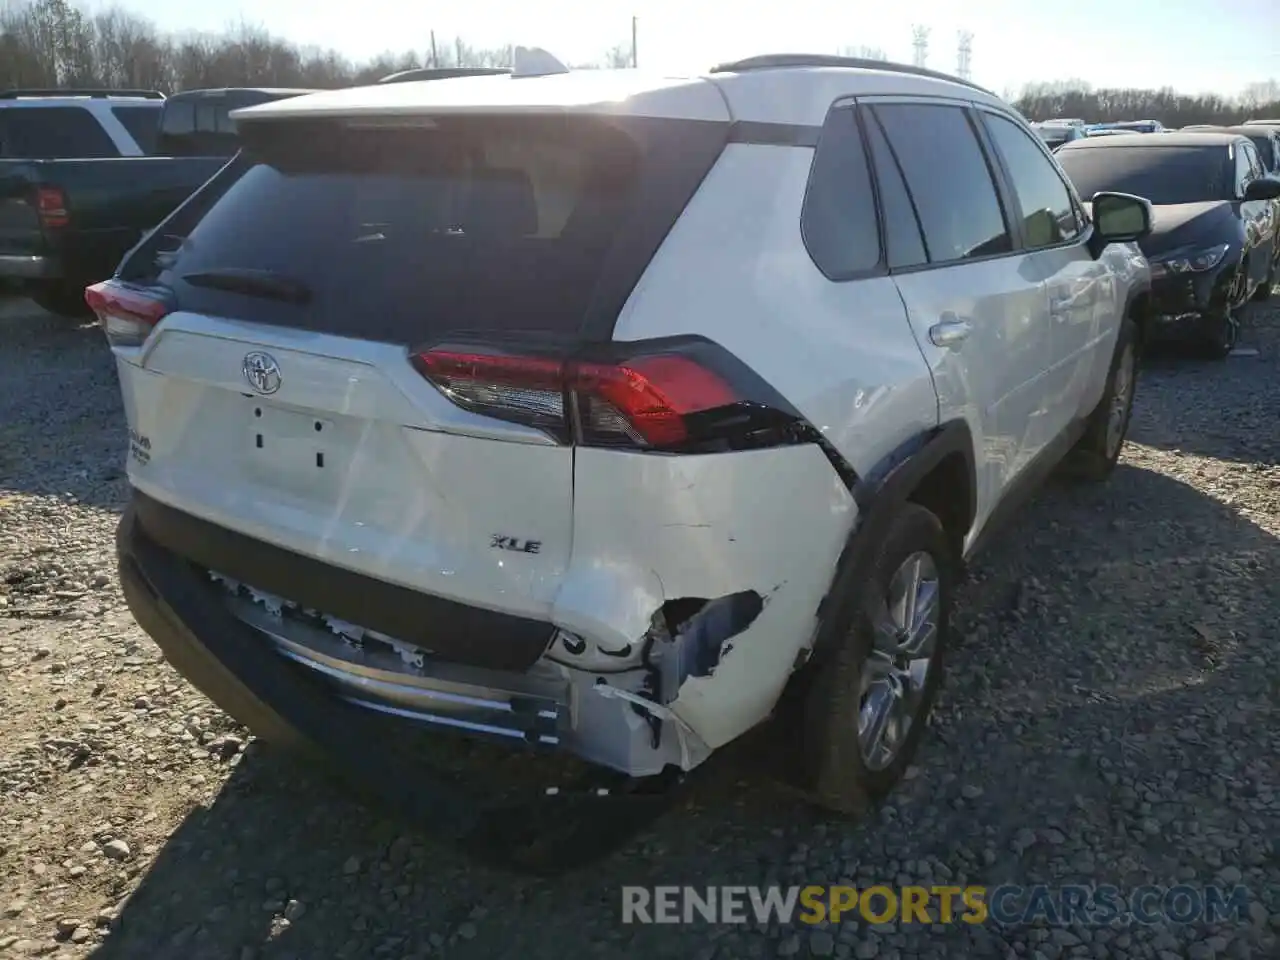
897	668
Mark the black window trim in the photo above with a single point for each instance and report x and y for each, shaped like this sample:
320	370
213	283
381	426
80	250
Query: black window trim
1007	177
967	107
869	116
848	108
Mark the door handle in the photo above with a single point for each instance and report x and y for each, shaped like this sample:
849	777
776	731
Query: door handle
950	332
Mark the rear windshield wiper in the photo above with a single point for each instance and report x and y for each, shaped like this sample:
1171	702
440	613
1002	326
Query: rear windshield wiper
253	283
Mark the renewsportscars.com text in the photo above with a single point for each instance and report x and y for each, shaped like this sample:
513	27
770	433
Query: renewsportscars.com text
1008	905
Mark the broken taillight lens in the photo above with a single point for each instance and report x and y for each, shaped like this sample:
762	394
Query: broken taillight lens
126	313
644	396
51	206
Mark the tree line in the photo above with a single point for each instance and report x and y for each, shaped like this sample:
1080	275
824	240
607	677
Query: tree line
55	43
1077	98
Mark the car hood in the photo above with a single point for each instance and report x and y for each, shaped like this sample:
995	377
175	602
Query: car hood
1190	225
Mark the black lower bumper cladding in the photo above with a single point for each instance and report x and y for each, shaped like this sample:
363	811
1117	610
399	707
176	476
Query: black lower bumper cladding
457	631
229	664
174	602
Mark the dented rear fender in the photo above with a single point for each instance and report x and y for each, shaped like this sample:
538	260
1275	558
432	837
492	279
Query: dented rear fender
706	570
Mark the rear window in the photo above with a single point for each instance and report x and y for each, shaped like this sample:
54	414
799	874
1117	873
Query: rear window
199	128
51	133
1164	175
142	123
404	233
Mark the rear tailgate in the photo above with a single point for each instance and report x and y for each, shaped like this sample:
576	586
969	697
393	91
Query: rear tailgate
278	399
21	236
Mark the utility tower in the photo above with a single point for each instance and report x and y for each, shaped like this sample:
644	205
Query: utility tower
920	41
965	55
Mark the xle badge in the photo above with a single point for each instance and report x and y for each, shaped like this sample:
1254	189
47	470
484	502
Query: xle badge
515	544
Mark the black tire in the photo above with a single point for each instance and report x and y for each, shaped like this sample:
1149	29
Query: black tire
1094	456
62	300
1220	328
838	776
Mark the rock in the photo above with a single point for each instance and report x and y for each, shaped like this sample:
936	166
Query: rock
789	945
116	850
67	925
467	930
293	910
351	867
80	934
822	944
971	791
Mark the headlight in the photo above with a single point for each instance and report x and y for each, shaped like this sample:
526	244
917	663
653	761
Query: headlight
1192	263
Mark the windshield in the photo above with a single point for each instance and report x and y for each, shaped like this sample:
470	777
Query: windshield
1162	174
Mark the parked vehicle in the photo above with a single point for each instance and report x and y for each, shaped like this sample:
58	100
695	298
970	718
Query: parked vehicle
612	418
1263	123
1105	132
1055	135
81	181
1213	242
1266	140
1132	126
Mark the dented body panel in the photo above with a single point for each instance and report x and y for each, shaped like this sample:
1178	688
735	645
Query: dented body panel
696	529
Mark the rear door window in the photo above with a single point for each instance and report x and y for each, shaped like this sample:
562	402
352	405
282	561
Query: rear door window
404	230
950	182
52	133
902	233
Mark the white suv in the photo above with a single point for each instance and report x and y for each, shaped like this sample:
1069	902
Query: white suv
593	411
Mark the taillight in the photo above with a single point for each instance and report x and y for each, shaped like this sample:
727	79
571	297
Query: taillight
656	396
51	206
126	314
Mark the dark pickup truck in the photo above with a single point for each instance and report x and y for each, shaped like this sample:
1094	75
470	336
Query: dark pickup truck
84	174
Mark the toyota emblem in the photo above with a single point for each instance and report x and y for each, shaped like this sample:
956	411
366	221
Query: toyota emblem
262	372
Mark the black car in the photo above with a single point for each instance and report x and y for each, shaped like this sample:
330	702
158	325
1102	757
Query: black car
1212	242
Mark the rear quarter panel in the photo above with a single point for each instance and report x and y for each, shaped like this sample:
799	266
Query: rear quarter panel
734	268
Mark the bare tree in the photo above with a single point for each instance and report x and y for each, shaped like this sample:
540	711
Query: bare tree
48	43
863	52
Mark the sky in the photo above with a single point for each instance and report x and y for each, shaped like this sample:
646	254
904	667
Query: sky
1192	45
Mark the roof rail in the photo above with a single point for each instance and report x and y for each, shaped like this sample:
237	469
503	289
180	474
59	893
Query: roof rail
780	60
96	93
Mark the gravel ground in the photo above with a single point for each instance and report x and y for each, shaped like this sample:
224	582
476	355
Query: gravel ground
1109	717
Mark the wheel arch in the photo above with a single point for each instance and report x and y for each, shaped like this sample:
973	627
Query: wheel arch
935	469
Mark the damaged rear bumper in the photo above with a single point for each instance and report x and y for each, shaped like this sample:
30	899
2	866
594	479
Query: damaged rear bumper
667	640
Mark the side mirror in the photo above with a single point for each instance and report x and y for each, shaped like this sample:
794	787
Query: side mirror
1120	218
1263	189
